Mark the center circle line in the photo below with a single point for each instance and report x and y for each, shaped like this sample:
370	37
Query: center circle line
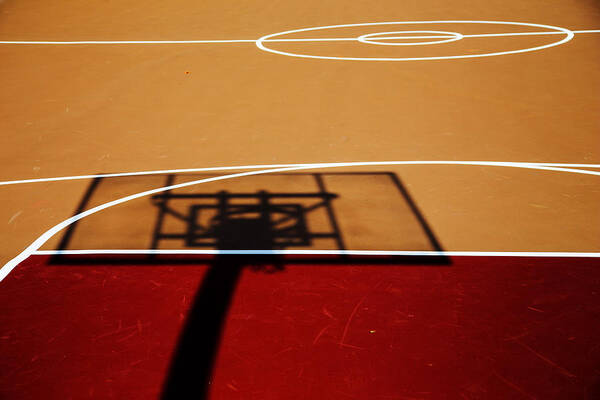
568	35
374	38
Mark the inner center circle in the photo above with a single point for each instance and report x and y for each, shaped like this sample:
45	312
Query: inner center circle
409	38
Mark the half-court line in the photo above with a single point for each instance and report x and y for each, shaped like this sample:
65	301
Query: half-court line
225	41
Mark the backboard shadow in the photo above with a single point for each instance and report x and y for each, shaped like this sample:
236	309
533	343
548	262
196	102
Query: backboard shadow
246	226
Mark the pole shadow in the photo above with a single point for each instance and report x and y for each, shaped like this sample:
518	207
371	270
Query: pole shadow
226	220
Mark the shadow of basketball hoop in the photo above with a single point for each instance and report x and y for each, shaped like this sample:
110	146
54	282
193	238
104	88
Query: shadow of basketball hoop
256	224
230	221
245	228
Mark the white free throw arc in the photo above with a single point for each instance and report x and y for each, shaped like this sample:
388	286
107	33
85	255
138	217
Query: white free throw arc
260	43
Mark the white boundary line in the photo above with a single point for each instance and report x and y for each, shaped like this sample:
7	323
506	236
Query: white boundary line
42	239
324	252
217	41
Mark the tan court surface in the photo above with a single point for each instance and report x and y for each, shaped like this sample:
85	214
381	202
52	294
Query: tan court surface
69	110
87	109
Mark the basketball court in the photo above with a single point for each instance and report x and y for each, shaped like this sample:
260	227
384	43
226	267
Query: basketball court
290	201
